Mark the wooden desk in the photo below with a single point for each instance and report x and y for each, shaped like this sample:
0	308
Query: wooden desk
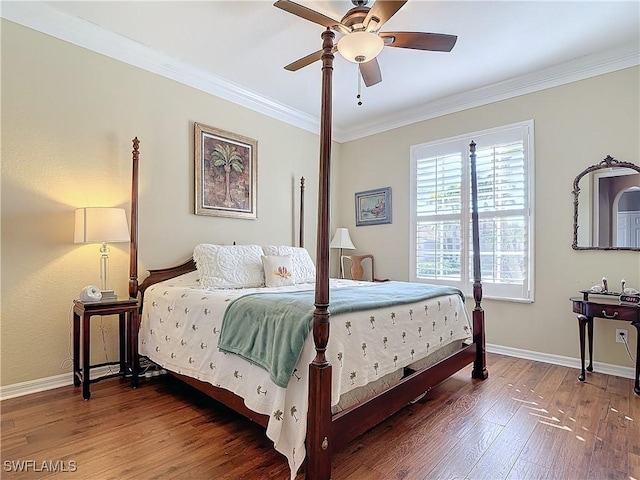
127	310
607	307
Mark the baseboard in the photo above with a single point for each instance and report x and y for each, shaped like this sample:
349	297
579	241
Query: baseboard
65	379
49	383
609	369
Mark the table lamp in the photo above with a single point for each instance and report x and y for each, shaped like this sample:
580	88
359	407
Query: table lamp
102	225
342	240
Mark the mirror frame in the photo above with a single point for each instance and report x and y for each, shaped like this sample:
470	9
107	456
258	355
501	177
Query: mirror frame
608	162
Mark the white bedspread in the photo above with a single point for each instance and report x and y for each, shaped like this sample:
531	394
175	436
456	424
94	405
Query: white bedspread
181	323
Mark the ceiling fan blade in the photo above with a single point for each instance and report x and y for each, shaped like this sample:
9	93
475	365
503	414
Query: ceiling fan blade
382	10
308	60
370	72
311	15
436	42
304	61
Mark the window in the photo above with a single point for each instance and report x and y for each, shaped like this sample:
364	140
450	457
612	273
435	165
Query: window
441	233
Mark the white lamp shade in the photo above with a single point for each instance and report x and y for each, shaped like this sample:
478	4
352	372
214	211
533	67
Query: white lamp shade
341	239
99	224
359	47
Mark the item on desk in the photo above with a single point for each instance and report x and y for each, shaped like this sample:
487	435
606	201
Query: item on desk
90	294
632	299
108	296
596	289
630	291
605	285
623	282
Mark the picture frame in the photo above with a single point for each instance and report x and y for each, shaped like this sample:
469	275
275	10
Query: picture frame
225	173
373	207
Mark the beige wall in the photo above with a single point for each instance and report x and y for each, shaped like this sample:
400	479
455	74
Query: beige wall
68	117
576	125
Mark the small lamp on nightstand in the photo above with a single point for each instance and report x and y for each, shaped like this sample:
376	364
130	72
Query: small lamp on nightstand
342	240
102	225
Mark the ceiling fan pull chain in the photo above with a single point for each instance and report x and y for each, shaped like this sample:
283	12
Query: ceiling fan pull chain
359	96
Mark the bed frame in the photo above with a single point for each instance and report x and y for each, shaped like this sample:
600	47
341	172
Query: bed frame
326	432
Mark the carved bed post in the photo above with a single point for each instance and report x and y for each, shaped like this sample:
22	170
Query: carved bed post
133	249
319	414
301	240
480	364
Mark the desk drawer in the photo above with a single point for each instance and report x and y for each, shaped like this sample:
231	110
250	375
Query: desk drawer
614	312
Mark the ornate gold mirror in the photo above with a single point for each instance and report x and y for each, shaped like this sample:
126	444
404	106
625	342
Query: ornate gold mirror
608	214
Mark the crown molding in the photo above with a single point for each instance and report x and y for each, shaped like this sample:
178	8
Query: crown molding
43	18
585	67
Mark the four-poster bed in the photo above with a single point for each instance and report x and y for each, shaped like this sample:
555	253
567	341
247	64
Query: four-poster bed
326	430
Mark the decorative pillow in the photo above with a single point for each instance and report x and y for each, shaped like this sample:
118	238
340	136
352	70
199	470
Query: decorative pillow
229	266
278	270
304	270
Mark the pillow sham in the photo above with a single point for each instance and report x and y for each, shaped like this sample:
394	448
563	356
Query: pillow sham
278	270
304	270
229	266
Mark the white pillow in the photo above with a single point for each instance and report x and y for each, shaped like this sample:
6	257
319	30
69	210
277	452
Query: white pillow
278	270
229	266
304	270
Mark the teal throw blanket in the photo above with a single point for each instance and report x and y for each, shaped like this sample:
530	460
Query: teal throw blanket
269	329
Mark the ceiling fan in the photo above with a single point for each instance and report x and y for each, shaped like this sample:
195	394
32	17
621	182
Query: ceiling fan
362	41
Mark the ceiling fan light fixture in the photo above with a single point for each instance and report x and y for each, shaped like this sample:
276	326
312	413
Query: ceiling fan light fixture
359	47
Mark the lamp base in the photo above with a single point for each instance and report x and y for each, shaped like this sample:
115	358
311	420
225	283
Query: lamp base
108	295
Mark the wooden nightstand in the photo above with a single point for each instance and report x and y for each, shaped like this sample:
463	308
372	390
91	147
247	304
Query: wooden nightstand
608	307
128	326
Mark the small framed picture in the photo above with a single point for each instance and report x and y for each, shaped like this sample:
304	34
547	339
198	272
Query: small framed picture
373	207
225	173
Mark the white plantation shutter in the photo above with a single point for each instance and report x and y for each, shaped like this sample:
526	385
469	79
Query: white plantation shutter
441	211
439	207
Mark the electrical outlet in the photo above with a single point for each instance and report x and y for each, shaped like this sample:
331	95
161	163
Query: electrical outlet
620	334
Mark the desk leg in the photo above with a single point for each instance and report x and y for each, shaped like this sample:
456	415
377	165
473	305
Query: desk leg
76	350
636	388
590	339
582	324
133	347
122	333
86	393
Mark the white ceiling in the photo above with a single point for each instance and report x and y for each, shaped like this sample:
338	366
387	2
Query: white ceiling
237	49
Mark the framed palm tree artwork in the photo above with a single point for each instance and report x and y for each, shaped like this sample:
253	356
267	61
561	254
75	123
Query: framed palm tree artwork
225	173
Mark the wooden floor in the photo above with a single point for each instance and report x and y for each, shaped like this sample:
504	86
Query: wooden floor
529	420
